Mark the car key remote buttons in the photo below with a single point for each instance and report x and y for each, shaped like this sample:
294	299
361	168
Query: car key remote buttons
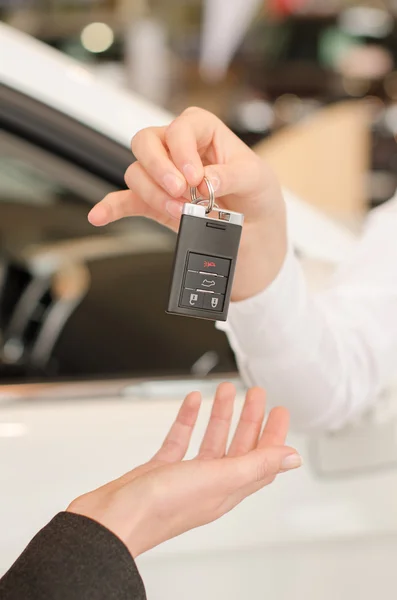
205	259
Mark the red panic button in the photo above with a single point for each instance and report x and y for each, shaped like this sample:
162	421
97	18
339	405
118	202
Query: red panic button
208	264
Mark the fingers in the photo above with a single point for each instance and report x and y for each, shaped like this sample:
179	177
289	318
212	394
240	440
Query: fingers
276	428
174	154
259	467
115	206
189	134
177	441
271	449
169	159
127	204
141	183
144	198
216	436
250	424
148	146
171	155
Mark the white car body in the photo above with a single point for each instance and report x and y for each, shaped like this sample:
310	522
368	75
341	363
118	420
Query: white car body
321	533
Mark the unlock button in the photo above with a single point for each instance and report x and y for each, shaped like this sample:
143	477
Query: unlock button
192	299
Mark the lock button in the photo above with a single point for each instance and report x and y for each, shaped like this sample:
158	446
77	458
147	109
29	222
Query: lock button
214	302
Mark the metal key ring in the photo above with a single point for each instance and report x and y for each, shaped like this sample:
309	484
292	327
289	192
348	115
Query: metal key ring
211	199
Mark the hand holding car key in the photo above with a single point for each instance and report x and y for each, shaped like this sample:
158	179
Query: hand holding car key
171	159
205	259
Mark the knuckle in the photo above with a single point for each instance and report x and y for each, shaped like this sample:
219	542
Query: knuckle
205	454
137	139
240	449
171	130
192	110
110	198
169	448
130	173
199	113
141	137
110	208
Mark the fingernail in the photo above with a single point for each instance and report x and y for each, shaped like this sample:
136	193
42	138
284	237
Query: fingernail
174	208
174	184
190	172
216	182
214	179
294	461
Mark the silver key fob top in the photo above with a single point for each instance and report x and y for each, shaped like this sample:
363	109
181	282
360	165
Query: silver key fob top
205	262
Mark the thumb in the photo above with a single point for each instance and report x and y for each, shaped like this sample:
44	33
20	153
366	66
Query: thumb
262	465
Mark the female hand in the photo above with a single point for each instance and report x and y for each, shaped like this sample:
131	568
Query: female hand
170	159
168	496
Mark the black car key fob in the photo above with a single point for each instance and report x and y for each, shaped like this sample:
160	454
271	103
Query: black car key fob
205	260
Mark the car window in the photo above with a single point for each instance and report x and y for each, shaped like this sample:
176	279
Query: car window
53	196
79	301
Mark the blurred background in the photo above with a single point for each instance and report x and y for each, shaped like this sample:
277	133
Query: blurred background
262	66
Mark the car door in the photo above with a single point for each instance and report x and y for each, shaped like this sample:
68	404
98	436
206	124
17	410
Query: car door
78	301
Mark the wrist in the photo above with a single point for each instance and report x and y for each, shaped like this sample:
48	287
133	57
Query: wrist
262	253
130	525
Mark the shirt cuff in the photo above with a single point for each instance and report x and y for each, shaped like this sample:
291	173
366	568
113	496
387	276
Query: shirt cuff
262	325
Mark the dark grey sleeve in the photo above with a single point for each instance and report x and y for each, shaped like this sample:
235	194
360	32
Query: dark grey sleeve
73	558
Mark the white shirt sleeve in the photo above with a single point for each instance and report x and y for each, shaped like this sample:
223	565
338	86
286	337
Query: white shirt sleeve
326	357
